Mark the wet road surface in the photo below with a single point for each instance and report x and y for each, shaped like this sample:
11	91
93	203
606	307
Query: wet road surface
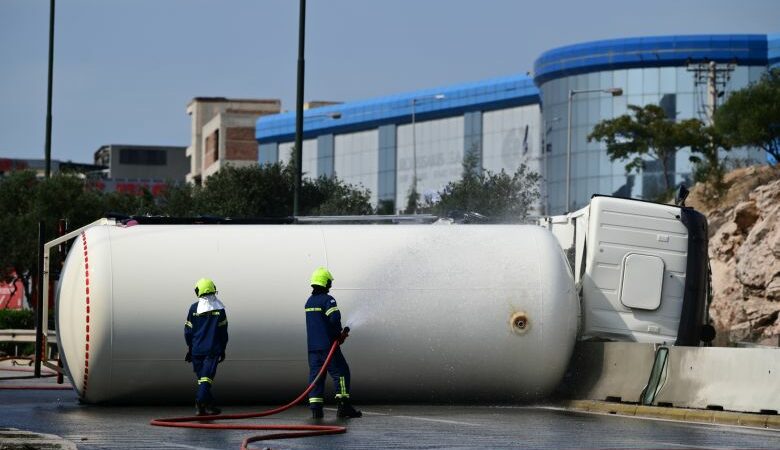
383	426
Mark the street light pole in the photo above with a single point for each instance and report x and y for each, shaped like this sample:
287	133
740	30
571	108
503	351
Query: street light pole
545	162
568	155
49	92
299	110
615	92
414	154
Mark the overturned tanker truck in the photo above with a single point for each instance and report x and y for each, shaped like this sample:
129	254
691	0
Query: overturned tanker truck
439	312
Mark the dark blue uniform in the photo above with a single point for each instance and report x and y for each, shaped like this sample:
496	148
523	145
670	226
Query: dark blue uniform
207	337
323	327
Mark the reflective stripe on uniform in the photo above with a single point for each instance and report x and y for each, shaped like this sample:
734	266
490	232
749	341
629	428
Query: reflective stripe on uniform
342	395
331	310
224	322
205	380
313	309
343	387
315	400
212	313
188	324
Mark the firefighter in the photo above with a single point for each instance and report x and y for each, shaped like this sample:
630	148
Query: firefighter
206	333
323	327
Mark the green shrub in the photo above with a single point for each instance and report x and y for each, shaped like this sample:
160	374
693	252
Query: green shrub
17	319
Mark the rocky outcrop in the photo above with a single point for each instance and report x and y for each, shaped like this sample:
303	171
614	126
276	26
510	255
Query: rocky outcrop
745	257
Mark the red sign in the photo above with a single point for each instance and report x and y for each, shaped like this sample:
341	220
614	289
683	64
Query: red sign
130	187
11	295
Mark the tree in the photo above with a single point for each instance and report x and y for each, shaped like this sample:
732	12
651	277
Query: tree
267	191
138	203
252	191
647	132
178	200
25	201
412	201
330	196
751	116
708	168
18	228
500	196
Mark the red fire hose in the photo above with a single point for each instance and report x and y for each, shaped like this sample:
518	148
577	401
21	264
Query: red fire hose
291	431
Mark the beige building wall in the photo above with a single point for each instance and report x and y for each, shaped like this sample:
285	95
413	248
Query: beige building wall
223	133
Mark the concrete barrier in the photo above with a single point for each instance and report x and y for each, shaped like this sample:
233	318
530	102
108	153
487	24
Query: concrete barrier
735	379
616	371
706	378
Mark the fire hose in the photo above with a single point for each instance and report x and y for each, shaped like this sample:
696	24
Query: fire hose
290	431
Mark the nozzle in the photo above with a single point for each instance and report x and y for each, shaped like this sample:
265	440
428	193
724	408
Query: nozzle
343	335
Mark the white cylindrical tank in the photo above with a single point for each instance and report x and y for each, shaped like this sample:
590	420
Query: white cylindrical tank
438	313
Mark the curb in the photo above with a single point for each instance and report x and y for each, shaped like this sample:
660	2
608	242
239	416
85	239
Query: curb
769	421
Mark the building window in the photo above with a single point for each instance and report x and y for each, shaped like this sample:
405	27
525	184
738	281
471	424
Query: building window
143	157
216	145
211	152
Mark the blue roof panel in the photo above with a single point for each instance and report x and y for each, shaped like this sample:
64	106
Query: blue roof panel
367	114
656	51
773	50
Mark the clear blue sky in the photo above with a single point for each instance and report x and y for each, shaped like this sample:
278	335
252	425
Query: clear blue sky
126	69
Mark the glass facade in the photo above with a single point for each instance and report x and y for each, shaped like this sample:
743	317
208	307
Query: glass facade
309	156
673	88
435	154
325	155
510	138
268	153
356	159
382	143
387	168
384	159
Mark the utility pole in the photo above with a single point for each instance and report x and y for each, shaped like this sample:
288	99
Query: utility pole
49	93
714	76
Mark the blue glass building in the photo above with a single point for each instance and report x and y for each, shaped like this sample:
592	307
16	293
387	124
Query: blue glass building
657	70
383	143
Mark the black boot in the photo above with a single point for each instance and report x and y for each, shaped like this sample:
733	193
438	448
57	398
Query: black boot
346	410
206	409
212	410
316	413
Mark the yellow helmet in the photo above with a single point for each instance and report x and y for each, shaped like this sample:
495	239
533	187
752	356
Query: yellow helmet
204	286
320	277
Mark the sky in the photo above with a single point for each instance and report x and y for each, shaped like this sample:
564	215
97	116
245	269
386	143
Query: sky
125	70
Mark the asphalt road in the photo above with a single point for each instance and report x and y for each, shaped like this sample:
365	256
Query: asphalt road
383	426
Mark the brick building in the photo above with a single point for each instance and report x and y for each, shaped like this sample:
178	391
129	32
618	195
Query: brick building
223	132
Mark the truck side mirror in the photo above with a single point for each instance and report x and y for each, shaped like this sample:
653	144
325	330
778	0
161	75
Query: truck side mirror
682	194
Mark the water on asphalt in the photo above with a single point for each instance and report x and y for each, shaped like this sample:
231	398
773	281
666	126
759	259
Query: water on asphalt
383	426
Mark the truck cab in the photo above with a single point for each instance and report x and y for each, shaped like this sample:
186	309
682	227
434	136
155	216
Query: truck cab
641	270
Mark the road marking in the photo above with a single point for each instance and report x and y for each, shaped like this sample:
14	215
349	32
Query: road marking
453	422
709	447
426	419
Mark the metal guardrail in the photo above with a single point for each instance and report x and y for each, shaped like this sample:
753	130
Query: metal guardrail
14	335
